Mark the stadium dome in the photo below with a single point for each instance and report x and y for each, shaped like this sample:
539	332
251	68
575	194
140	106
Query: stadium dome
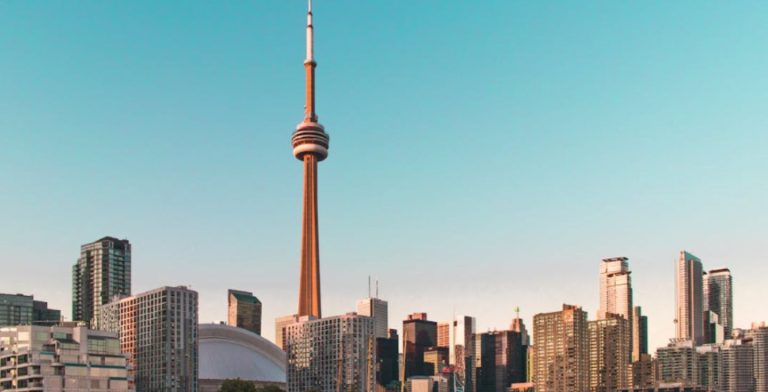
229	352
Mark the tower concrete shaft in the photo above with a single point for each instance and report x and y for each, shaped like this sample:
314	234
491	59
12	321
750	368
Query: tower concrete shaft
309	292
310	145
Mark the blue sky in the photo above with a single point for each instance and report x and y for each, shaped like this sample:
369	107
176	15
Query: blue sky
484	155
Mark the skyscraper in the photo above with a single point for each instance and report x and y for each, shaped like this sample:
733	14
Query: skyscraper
500	360
561	350
689	299
719	298
376	309
331	354
639	333
158	332
609	366
760	341
615	288
102	272
677	363
310	145
244	310
387	361
419	334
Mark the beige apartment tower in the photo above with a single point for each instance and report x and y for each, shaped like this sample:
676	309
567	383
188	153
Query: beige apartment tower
158	332
561	350
609	348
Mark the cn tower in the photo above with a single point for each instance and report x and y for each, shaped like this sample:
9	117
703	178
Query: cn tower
310	145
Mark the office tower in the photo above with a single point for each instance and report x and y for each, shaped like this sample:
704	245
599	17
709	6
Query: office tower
677	363
759	334
387	359
376	309
639	333
419	334
15	309
689	299
20	309
102	272
737	372
719	298
63	359
609	349
331	354
499	360
444	333
244	311
518	325
644	372
43	315
158	332
436	360
310	145
615	288
561	350
280	324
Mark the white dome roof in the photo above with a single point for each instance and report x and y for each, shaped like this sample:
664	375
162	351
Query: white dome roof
229	352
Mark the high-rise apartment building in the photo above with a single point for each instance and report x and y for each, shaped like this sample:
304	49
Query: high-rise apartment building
639	333
61	359
615	288
719	298
102	272
616	296
331	354
280	324
737	372
677	363
244	311
707	358
644	373
561	350
689	299
158	332
609	365
419	334
759	335
20	309
376	309
500	360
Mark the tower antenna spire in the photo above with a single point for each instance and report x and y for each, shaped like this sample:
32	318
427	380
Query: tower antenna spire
309	64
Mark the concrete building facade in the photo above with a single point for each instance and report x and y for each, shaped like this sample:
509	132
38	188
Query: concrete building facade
331	354
158	330
61	359
561	351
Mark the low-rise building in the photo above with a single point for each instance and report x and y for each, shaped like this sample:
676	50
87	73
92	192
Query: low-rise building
61	359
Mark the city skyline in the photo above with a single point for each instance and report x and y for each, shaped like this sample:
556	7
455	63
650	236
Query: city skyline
402	219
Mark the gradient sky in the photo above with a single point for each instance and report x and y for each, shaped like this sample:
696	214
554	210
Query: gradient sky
484	154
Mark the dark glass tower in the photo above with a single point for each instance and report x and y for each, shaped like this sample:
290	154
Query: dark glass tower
102	272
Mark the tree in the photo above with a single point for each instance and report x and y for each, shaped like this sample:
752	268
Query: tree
237	385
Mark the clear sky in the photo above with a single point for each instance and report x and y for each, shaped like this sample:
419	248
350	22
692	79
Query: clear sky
484	154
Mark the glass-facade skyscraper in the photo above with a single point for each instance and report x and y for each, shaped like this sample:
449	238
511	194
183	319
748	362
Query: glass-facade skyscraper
719	289
102	272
